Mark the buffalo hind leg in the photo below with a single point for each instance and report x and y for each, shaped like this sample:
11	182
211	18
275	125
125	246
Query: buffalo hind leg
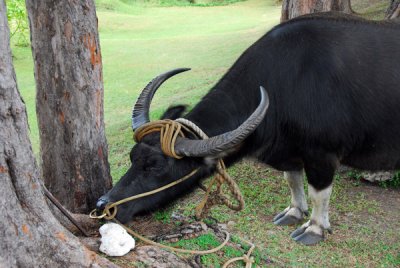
320	178
294	213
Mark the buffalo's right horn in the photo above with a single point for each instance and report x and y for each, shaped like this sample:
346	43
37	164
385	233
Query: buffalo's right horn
216	145
140	113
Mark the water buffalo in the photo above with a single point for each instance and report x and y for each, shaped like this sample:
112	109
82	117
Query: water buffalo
333	83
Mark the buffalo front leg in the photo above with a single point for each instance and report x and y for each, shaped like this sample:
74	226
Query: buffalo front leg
294	213
320	169
313	231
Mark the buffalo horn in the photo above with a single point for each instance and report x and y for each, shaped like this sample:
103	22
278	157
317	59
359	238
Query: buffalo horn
140	113
216	145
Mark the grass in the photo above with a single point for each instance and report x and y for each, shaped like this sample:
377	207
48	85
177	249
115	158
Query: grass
209	240
204	242
362	237
393	183
163	216
371	9
141	40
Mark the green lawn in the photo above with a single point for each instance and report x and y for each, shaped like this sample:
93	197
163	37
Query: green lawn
139	41
138	46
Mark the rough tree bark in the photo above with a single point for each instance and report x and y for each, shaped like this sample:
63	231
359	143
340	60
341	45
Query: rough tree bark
295	8
69	100
30	236
393	10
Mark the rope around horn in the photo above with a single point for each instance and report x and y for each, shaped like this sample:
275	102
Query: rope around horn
169	131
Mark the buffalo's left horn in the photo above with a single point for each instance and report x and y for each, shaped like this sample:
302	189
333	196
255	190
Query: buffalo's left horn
221	143
140	113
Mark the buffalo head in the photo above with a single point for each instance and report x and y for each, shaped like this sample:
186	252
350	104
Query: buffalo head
151	168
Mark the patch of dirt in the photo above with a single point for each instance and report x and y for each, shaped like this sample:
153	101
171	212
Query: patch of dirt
152	257
149	227
387	215
388	199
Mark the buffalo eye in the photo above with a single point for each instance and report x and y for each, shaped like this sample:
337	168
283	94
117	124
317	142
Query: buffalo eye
153	164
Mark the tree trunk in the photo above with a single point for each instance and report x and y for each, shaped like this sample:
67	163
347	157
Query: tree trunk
393	10
30	236
69	101
295	8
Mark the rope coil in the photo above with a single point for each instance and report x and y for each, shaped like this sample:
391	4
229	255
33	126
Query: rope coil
216	197
169	131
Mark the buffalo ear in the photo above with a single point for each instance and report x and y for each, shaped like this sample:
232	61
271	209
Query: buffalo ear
174	112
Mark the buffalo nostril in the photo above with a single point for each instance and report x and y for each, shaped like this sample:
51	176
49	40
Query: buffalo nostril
101	203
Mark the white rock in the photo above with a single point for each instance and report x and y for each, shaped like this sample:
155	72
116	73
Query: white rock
378	176
115	241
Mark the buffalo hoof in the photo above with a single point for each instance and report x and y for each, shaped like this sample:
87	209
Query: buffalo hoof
309	234
290	216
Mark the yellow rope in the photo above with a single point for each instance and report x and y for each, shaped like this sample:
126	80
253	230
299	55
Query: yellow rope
110	211
169	131
217	196
180	250
246	258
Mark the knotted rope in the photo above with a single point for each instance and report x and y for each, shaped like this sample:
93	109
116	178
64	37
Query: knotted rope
169	132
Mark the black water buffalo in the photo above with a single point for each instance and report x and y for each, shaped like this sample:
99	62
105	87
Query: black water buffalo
333	83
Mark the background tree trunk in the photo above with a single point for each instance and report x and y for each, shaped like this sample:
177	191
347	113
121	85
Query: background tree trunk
29	234
393	10
295	8
69	101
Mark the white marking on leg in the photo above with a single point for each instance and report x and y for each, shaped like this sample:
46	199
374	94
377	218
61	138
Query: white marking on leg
292	211
320	201
296	185
316	229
